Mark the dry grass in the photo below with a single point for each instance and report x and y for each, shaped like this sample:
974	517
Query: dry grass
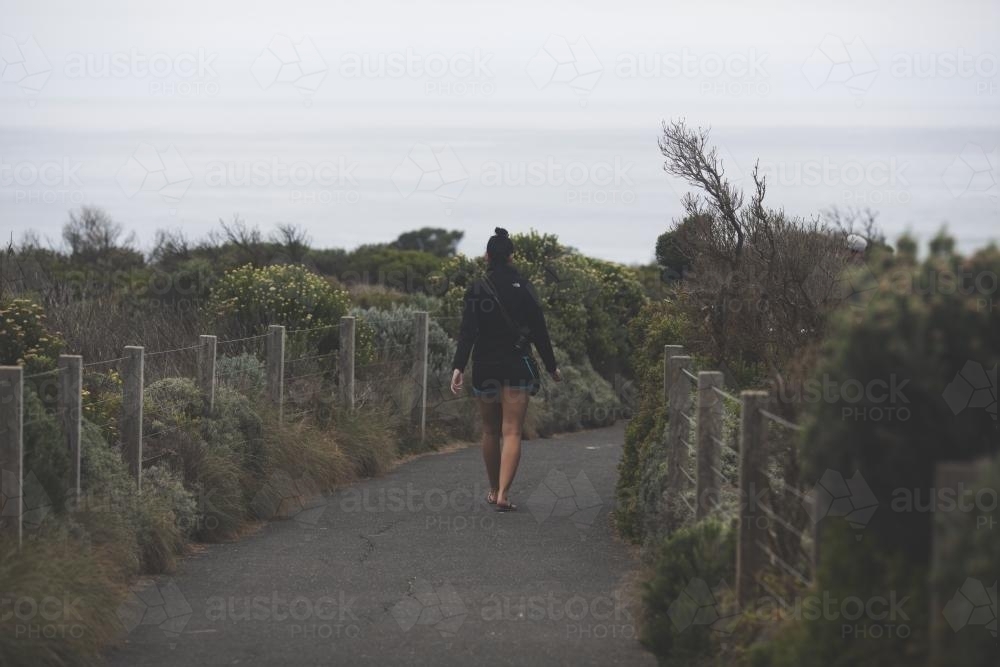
63	595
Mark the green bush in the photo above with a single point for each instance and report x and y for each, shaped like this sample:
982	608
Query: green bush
928	336
108	503
102	401
401	270
165	516
393	334
924	338
694	563
970	565
46	462
153	523
84	579
25	338
582	400
217	455
236	426
242	372
248	299
643	463
577	293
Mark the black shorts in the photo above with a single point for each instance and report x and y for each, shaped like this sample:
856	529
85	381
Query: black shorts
488	377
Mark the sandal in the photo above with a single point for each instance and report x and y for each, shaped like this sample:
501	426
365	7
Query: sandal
506	506
491	498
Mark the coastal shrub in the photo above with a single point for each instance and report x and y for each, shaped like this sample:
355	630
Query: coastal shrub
924	330
248	299
25	337
642	462
686	599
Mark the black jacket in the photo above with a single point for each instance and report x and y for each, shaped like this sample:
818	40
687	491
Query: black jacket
485	329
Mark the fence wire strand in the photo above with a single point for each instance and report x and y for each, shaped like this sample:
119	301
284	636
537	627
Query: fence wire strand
781	420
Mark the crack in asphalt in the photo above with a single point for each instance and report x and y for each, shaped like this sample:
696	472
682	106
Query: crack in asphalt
369	547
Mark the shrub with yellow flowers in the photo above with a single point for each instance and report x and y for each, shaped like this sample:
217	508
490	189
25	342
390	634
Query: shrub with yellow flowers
25	338
248	299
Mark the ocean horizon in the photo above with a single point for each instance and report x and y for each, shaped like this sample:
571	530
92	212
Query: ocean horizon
604	193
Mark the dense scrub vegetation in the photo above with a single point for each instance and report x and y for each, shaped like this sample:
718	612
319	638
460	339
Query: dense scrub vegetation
788	305
207	477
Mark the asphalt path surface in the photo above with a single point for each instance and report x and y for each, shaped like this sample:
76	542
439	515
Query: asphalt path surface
413	568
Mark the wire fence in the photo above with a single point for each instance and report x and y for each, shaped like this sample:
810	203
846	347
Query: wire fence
734	457
136	401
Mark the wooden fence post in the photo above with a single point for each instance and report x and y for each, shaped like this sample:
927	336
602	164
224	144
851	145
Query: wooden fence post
71	414
678	427
206	371
12	451
752	531
347	362
133	368
668	352
709	435
422	324
276	367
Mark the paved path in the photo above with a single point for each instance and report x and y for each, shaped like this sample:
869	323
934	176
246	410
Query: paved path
413	568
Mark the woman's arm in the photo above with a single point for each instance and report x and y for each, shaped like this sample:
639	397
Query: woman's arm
468	331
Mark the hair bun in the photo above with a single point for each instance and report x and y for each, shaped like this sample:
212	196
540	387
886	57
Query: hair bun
502	233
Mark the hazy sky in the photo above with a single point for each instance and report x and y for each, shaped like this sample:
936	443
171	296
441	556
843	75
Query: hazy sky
363	119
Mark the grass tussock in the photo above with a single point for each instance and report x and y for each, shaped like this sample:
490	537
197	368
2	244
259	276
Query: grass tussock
61	596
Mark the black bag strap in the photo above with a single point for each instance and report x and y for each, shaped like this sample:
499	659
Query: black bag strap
492	290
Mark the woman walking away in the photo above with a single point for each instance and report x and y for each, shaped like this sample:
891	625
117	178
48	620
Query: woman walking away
501	319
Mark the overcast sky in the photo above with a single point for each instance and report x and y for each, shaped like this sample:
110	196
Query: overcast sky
499	84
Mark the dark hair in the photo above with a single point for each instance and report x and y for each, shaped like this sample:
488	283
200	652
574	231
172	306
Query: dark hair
500	247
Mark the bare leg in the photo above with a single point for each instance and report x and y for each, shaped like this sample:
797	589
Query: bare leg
515	406
490	411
